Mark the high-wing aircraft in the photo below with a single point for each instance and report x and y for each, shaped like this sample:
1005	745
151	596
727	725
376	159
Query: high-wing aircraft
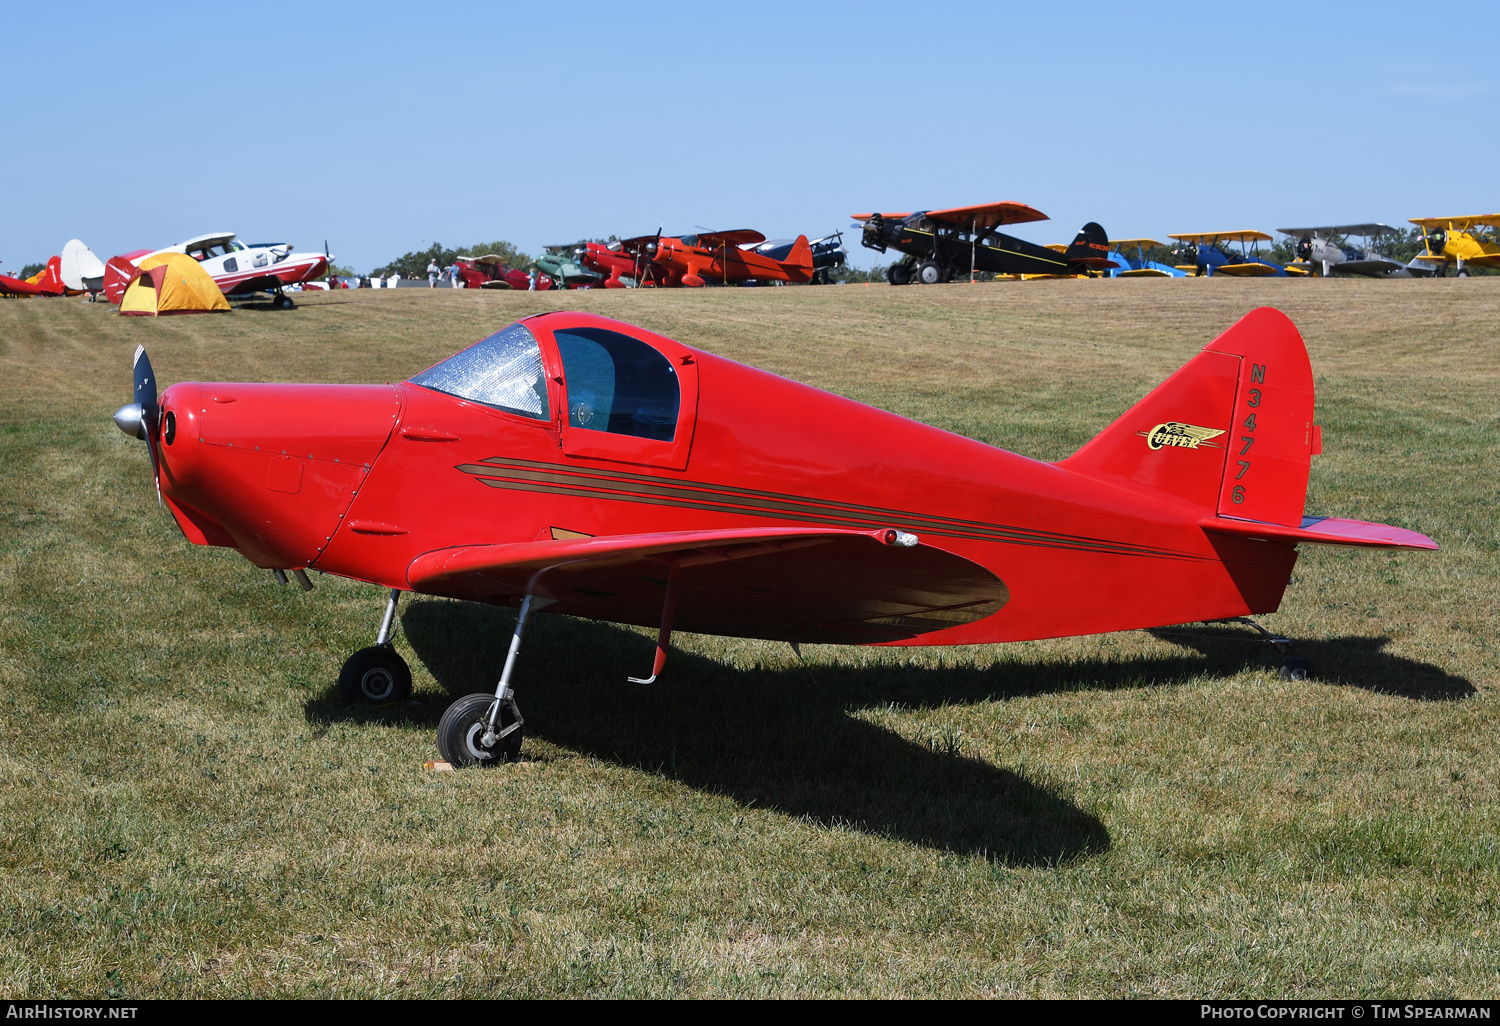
581	465
240	269
1461	241
1129	256
1318	249
1207	253
562	264
941	245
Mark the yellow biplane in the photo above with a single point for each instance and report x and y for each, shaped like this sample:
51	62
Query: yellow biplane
1209	257
1454	240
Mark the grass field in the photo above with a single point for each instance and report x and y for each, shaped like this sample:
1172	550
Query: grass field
189	810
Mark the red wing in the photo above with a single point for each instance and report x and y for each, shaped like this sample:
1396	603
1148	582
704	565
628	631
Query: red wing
793	584
988	215
866	217
738	237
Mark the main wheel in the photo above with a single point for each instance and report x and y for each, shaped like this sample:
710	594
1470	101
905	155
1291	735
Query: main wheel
284	302
929	273
898	274
1461	274
460	733
376	674
1295	669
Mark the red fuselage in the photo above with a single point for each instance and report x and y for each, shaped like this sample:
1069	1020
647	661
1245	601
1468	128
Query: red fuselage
361	481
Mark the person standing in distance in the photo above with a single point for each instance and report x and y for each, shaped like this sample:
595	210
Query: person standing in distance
432	273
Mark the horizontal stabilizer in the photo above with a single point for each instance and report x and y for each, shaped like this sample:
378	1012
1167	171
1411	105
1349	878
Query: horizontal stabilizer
1324	531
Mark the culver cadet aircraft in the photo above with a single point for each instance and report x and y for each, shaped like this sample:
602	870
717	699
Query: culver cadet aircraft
1455	240
581	465
238	268
941	245
1206	253
1137	266
1318	250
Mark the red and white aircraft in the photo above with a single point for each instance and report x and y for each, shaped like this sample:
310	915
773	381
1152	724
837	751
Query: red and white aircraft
236	267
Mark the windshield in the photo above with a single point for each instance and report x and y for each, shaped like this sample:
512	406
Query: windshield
504	371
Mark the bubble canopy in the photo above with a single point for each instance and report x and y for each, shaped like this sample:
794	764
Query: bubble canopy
504	371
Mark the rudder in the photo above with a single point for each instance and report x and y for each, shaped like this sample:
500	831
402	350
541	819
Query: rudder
1230	432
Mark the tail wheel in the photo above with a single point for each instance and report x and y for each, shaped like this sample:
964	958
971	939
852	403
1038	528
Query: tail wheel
376	675
1295	669
460	733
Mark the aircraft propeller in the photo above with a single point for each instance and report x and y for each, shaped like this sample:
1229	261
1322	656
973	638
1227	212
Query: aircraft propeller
139	418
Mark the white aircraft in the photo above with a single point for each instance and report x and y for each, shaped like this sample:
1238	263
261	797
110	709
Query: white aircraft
1316	246
240	268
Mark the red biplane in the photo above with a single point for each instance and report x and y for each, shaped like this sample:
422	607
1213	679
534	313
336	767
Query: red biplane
577	464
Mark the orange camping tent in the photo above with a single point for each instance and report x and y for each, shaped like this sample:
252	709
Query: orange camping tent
171	283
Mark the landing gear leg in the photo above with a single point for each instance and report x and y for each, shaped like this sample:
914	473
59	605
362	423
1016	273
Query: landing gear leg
377	674
281	300
484	729
1291	668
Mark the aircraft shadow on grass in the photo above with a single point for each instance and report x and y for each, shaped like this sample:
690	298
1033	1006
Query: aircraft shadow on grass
783	738
1352	661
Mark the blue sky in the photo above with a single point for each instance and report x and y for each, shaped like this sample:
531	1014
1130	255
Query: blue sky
385	127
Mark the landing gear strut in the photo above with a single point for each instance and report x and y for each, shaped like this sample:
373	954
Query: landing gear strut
280	300
1291	668
377	674
484	729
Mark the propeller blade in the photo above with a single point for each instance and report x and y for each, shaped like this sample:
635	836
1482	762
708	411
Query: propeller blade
145	381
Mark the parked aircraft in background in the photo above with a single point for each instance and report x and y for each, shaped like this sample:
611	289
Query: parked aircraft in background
46	282
622	262
569	462
1455	240
561	264
1208	254
718	258
1319	250
827	253
1129	256
489	272
238	268
941	245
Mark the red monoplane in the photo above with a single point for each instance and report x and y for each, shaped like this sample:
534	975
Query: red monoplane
578	464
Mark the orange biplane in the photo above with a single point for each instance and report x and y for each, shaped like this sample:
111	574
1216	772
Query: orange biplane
716	258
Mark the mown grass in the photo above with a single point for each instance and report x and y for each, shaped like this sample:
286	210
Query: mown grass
188	809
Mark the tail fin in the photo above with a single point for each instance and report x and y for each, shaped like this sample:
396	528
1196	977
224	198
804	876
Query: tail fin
1090	247
798	262
1231	432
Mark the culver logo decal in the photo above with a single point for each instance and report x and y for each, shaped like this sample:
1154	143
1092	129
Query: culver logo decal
1173	435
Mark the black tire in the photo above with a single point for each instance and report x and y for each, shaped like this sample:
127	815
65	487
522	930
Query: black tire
898	274
376	675
930	273
284	303
460	731
1295	669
